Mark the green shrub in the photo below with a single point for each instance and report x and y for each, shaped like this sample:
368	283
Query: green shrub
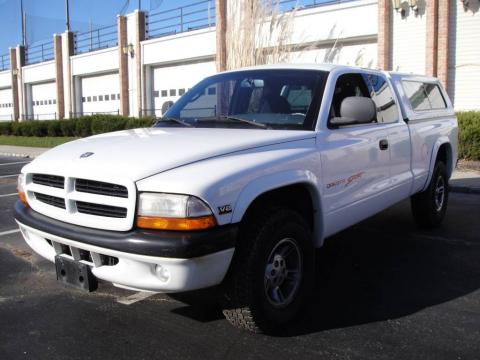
54	129
6	128
469	135
67	127
107	123
134	123
83	126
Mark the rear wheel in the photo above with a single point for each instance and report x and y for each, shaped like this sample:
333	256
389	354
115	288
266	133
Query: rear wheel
271	273
429	207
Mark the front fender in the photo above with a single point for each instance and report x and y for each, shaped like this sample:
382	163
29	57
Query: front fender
278	180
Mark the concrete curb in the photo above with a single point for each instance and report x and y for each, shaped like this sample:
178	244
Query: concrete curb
16	155
464	190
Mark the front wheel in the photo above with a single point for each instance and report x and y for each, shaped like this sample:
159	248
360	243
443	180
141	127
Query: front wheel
272	271
429	206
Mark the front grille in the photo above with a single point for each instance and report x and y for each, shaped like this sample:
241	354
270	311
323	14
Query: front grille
101	210
50	200
83	201
100	188
49	180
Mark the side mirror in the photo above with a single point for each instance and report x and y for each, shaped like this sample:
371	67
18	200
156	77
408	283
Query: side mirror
355	110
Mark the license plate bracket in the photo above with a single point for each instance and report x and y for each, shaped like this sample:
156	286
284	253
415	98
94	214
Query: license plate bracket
75	274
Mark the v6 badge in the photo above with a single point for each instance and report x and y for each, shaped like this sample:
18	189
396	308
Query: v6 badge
225	209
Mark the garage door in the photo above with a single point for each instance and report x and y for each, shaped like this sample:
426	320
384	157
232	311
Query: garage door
169	83
44	101
6	106
100	94
464	57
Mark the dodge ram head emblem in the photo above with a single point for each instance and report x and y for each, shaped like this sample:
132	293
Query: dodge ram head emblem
85	155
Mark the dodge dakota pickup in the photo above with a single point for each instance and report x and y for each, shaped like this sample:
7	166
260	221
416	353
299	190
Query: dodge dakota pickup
238	183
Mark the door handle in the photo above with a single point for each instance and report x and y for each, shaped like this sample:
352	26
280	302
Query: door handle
383	144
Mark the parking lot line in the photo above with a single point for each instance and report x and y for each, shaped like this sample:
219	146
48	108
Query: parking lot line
9	232
139	296
15	163
8	176
5	195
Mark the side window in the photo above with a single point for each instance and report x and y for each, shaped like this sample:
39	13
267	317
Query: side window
424	96
435	96
387	111
348	85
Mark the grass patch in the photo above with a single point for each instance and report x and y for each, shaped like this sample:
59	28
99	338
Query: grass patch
32	141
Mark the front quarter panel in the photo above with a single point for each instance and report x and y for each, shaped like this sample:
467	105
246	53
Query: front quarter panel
235	180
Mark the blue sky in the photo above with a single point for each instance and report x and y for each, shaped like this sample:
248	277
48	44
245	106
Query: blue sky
45	17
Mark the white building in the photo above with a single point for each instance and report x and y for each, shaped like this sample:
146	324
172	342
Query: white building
144	61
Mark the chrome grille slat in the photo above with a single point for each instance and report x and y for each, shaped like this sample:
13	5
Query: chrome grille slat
50	200
100	188
101	210
49	180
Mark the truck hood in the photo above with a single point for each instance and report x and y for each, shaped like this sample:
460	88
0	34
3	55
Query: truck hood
139	153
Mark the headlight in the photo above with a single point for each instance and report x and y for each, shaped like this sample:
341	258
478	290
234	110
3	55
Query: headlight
173	212
21	189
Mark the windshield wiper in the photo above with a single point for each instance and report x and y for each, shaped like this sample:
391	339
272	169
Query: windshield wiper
233	118
172	119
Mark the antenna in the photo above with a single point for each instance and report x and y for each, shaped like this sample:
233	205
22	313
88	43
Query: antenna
67	15
24	38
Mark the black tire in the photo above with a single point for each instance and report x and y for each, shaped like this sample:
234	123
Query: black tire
246	304
425	205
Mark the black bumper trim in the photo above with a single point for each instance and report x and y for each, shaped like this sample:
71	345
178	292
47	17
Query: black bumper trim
172	244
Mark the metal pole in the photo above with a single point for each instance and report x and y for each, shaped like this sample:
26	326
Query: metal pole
23	22
91	34
67	15
139	4
181	19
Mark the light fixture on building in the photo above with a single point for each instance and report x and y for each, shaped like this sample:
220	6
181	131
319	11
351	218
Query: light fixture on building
129	50
397	4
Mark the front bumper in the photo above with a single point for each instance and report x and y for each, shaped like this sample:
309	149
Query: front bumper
156	261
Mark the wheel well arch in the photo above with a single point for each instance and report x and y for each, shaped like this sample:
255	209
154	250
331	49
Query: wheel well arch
300	197
444	154
443	151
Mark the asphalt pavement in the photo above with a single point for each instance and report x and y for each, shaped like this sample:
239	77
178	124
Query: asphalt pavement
384	290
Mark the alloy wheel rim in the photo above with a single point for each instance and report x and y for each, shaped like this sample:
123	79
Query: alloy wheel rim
439	194
283	273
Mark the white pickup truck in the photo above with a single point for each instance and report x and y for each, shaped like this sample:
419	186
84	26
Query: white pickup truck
239	182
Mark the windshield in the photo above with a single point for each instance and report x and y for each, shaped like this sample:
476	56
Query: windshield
257	99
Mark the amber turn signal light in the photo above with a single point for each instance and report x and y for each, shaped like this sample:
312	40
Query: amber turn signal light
179	224
23	198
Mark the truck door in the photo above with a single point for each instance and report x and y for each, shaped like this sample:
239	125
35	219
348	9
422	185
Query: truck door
388	113
355	162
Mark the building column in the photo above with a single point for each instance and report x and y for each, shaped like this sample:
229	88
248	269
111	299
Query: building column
140	24
432	37
14	74
19	63
384	34
135	35
123	64
442	46
221	33
67	51
57	48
